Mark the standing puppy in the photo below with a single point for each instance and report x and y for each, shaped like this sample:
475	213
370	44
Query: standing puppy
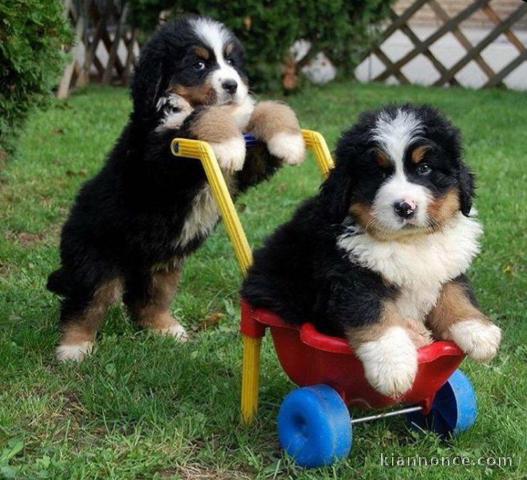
135	222
380	255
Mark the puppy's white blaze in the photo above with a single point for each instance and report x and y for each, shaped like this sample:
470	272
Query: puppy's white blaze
201	219
230	154
176	331
395	134
390	363
290	147
397	189
480	341
75	353
216	36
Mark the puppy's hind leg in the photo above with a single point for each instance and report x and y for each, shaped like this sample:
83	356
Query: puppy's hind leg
276	124
148	299
81	317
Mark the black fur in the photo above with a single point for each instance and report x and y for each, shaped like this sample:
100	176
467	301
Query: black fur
128	217
302	275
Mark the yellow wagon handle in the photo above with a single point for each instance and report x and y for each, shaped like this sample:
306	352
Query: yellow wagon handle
182	147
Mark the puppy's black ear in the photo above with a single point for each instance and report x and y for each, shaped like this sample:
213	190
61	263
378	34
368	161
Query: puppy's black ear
148	81
335	194
466	189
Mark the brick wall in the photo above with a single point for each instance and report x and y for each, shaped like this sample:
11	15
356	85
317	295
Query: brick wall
426	15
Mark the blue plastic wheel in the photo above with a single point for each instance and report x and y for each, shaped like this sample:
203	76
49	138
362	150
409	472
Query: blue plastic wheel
314	426
454	410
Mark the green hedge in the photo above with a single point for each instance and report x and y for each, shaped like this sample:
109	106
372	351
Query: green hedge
32	33
343	29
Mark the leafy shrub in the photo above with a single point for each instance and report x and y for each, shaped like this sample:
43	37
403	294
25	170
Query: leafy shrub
343	29
32	34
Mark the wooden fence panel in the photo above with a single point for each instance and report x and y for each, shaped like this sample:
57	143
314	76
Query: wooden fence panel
105	48
451	25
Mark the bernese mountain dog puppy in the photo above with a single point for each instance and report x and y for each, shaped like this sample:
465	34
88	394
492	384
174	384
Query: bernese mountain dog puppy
135	222
379	255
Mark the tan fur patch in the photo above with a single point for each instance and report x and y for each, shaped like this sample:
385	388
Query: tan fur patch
453	305
228	48
270	118
442	209
202	53
390	317
419	153
382	159
83	327
199	95
362	212
156	313
215	125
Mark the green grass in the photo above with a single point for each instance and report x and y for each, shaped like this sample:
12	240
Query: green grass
144	407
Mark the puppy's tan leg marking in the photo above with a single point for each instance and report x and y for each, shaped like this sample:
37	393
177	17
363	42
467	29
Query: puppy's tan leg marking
216	126
455	318
388	351
78	333
155	314
276	124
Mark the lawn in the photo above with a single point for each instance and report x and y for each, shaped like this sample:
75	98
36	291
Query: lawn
144	407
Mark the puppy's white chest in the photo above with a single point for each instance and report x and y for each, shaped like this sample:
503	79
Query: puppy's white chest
201	219
420	266
416	303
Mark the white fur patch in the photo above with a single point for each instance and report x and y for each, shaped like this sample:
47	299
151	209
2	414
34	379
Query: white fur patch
75	353
176	109
480	341
242	113
289	147
201	219
390	363
230	154
176	331
398	189
394	136
216	37
419	265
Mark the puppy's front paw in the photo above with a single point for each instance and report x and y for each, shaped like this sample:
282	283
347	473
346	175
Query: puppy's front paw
76	353
479	340
390	362
175	110
230	153
289	147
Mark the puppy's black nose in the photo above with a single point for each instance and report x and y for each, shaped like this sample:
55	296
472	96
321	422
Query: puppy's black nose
230	86
404	209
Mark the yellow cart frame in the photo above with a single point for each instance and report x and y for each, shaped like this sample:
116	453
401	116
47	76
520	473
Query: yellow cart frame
202	151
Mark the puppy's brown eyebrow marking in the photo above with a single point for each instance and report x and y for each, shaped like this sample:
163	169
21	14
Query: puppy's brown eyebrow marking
419	153
229	48
382	158
202	53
